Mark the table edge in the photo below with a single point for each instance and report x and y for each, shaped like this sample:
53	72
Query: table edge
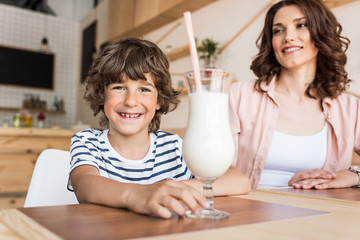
273	190
24	226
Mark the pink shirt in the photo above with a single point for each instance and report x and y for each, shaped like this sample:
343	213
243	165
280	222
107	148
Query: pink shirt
253	117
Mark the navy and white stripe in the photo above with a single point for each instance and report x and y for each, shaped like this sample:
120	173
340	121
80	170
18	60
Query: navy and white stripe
163	161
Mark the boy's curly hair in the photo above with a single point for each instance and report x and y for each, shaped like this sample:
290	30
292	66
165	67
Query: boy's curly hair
131	58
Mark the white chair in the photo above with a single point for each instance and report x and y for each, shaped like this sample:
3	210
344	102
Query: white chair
48	186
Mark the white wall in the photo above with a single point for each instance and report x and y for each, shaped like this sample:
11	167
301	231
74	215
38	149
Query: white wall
221	20
71	9
348	15
25	29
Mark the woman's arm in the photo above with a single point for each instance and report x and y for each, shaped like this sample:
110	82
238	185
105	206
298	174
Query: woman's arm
161	198
231	183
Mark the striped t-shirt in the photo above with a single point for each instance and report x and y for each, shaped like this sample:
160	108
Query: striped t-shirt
163	161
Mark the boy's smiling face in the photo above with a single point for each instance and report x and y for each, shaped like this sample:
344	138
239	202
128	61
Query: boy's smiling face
131	105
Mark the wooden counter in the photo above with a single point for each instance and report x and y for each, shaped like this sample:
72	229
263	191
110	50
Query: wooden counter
19	150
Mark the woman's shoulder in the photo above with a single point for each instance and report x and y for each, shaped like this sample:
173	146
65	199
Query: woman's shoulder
346	105
351	96
347	98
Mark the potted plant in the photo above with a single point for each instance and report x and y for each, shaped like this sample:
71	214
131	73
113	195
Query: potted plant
208	51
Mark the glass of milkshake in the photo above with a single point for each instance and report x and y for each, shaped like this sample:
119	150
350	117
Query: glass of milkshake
208	146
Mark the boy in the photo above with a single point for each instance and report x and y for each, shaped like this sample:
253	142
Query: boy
133	164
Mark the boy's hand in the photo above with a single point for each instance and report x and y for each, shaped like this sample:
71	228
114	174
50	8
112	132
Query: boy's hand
165	197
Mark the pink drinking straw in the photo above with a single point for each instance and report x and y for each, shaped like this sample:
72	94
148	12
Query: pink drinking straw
193	52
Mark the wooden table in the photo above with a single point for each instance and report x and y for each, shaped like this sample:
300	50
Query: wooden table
265	214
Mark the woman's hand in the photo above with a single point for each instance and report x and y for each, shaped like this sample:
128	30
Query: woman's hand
307	179
165	197
322	179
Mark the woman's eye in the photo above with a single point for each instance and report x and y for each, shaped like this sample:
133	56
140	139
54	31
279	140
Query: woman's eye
277	30
301	25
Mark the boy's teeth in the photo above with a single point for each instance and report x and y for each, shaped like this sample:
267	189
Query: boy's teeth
129	116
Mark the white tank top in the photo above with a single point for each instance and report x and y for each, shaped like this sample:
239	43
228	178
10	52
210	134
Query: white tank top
289	154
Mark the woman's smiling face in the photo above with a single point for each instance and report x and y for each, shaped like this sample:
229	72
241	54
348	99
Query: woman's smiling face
291	41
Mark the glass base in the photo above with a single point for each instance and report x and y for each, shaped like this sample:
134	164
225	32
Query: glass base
207	213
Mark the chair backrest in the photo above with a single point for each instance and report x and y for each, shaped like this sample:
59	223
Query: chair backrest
48	186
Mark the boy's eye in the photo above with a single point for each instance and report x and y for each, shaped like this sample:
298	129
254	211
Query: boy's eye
144	90
118	87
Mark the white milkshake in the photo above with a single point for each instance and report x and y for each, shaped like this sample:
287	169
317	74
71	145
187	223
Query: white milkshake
208	146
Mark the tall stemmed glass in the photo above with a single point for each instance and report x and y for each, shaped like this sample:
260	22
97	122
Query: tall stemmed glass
208	145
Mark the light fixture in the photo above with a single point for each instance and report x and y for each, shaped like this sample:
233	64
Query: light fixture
44	40
44	44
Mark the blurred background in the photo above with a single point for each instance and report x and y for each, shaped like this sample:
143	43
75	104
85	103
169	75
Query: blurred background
72	32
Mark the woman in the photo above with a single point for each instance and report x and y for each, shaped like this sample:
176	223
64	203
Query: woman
294	125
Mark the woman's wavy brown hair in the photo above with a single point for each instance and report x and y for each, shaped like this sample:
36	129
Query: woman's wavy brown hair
331	78
130	58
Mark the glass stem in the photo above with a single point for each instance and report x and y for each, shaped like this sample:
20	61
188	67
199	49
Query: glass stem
208	193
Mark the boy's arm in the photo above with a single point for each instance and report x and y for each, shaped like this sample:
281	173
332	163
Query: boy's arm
161	198
231	183
90	187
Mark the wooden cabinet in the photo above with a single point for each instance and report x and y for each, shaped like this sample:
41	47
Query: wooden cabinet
19	150
138	17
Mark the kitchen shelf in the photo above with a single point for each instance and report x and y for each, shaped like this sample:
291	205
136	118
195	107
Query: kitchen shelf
179	52
16	109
